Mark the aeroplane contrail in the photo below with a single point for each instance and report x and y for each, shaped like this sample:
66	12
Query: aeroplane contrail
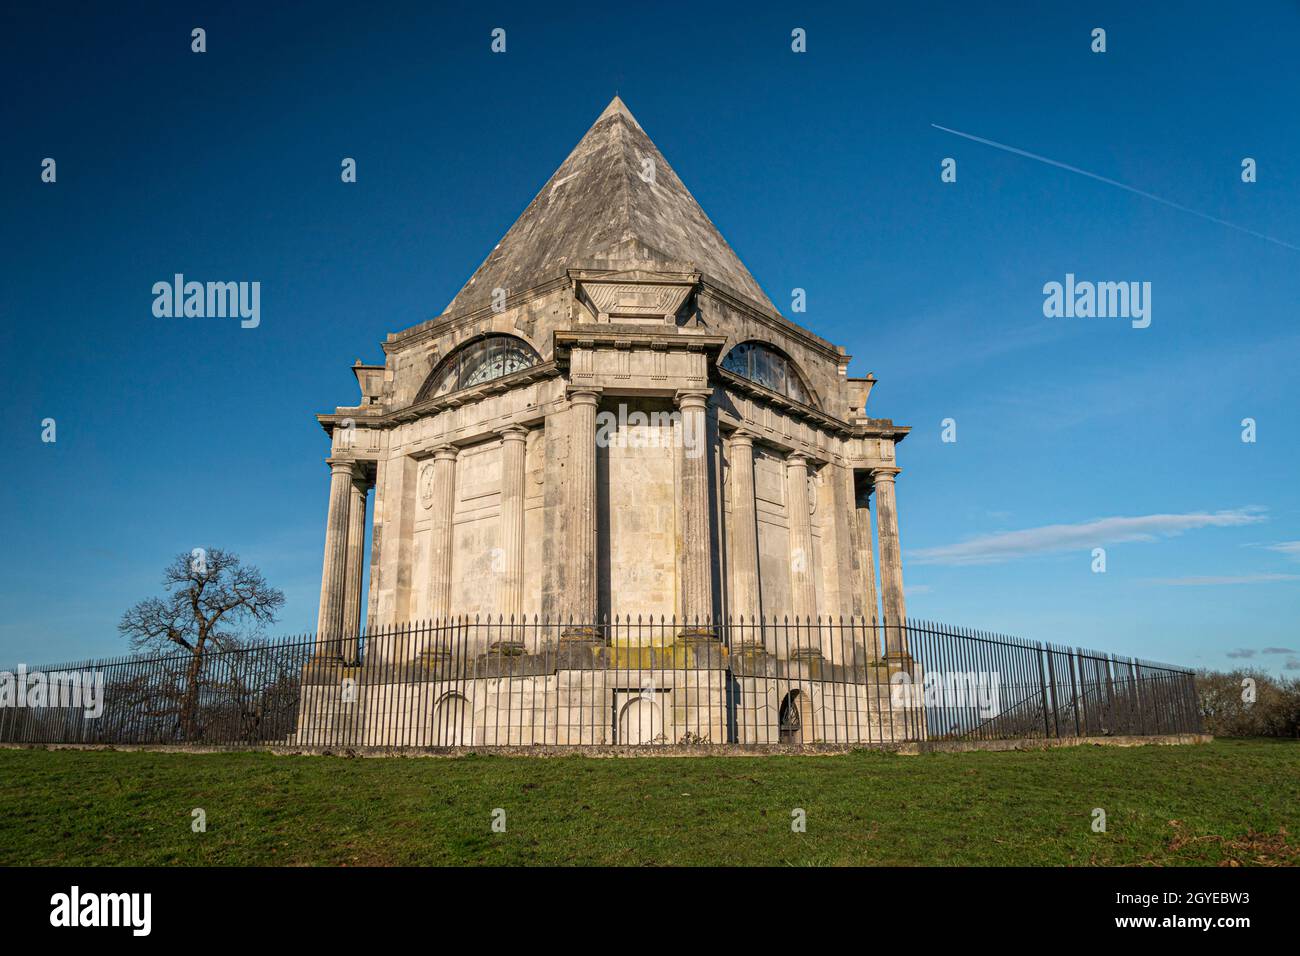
1112	182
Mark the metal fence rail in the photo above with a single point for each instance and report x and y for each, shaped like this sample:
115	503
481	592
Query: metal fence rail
629	681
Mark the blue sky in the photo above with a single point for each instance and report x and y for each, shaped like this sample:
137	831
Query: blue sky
822	170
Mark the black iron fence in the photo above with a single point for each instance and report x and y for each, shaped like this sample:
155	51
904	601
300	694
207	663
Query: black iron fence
631	681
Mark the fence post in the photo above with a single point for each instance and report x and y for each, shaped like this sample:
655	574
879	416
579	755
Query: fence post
1081	710
1042	692
1056	700
1110	694
1135	675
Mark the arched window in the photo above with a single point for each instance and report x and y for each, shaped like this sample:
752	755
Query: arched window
763	364
477	362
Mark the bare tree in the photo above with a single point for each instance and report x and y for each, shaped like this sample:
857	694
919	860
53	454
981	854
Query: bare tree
214	602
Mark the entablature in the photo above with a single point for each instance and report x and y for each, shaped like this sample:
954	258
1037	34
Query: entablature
633	296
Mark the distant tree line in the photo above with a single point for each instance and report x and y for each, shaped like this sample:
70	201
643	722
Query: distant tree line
1228	710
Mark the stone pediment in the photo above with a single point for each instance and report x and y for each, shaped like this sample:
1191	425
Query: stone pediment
635	296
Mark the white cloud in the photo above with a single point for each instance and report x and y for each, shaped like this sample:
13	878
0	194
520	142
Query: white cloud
1211	580
1009	545
1290	548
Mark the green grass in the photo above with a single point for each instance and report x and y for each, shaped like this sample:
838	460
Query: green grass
1234	802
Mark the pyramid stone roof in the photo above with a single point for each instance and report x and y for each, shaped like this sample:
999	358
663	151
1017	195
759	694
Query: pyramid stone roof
607	208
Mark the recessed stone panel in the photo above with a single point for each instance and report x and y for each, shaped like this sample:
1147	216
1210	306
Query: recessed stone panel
636	478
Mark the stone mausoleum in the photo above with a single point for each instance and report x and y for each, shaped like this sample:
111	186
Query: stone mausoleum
609	420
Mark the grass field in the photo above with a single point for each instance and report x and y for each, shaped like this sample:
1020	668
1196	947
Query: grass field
1229	802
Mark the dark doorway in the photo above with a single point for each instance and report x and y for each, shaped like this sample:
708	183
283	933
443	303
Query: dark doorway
791	722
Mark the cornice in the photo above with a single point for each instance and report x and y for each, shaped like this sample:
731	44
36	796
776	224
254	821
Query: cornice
880	428
443	324
593	334
775	321
786	404
466	396
863	428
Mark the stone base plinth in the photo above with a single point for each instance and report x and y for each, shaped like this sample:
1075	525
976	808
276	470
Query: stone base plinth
585	692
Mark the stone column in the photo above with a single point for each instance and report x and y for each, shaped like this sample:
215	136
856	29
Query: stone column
514	440
356	555
864	545
329	621
397	500
747	599
803	588
440	533
696	558
582	557
891	563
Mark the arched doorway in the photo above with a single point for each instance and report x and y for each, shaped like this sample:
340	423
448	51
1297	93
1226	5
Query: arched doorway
790	719
453	722
641	722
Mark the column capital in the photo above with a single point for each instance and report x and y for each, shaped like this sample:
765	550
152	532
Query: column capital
742	437
343	466
884	474
513	433
445	453
797	459
693	397
585	394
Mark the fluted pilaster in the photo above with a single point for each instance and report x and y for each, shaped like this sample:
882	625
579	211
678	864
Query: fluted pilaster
582	557
514	441
747	596
696	558
803	587
443	508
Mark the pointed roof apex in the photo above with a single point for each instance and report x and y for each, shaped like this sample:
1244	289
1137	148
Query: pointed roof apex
616	105
600	211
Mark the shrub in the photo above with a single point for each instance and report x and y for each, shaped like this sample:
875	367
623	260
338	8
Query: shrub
1275	711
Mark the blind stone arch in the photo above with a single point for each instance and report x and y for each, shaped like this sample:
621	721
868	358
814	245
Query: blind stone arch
641	722
453	721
